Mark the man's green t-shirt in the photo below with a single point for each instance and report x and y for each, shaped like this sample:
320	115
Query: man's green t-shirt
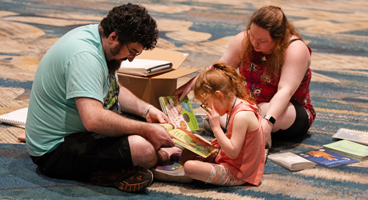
74	66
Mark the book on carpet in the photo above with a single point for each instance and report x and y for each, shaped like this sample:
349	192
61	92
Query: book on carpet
145	67
352	135
349	148
190	141
180	113
17	118
291	161
327	158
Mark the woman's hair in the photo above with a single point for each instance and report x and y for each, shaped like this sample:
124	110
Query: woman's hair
272	19
132	23
221	77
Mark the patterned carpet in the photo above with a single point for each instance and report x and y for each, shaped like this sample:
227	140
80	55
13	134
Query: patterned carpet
336	30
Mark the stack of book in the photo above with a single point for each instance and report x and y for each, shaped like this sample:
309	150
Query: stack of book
145	67
351	149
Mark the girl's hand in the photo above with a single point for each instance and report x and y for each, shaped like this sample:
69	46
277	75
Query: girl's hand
215	144
213	117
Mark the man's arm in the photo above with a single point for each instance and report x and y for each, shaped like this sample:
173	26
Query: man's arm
98	120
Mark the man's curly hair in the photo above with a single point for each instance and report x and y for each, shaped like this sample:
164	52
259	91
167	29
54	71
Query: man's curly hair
132	23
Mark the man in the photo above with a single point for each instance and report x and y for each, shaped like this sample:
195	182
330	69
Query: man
72	131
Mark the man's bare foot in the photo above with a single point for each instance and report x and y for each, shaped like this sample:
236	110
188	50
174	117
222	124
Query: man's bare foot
22	136
164	154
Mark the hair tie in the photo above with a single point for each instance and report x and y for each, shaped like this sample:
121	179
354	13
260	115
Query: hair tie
212	67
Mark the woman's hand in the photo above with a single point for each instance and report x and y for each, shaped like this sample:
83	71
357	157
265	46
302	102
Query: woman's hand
185	89
267	130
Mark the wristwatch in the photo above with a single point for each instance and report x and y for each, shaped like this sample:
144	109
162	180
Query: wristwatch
270	119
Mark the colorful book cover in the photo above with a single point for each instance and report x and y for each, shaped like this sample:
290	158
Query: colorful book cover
327	157
190	141
352	135
180	113
358	151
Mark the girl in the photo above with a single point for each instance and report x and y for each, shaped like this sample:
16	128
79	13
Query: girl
240	158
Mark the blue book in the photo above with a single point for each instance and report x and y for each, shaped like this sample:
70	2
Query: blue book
327	158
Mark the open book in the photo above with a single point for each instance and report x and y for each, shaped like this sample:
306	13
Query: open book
352	135
188	140
291	161
144	67
180	113
17	118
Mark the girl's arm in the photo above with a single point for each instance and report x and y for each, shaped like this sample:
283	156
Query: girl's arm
243	121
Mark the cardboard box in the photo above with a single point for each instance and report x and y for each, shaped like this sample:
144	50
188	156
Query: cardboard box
149	89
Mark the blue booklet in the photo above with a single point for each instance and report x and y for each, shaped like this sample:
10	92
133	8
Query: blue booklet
327	157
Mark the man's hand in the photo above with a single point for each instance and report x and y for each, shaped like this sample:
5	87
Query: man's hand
154	115
158	136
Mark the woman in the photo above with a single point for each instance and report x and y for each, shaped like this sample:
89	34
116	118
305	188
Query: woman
274	60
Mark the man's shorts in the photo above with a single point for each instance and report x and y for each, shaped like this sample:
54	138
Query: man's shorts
81	153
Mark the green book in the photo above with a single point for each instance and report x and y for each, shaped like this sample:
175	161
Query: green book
180	113
349	148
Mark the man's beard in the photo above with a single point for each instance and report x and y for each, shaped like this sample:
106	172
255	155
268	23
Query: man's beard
114	64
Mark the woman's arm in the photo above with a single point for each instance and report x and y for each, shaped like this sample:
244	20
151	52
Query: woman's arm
232	57
235	51
297	61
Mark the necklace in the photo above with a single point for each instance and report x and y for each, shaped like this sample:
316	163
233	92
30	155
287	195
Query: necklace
228	118
227	122
252	65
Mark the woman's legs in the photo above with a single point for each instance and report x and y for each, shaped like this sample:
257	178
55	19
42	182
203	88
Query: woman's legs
292	123
285	119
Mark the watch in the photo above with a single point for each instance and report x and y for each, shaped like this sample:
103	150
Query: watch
270	119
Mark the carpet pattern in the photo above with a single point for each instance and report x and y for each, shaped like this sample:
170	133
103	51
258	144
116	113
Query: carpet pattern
336	31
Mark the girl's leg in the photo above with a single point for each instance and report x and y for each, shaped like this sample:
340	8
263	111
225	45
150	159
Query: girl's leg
198	170
211	173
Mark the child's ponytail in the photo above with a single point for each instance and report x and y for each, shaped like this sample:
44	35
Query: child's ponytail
221	77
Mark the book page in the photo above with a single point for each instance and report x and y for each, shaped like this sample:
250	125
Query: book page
192	143
17	117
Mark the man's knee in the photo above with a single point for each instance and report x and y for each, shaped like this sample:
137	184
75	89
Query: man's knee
142	151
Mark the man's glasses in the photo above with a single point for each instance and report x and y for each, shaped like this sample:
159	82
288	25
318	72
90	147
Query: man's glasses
133	53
